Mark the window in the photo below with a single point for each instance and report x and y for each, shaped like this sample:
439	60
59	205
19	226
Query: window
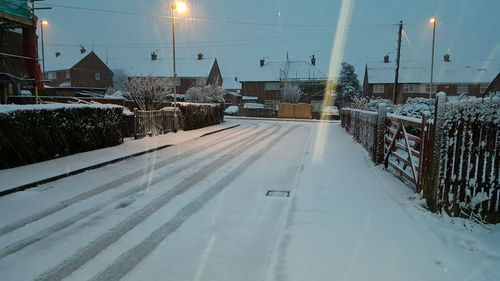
428	87
378	89
462	89
97	76
482	88
67	75
51	75
409	88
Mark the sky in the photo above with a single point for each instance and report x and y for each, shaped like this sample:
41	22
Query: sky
240	32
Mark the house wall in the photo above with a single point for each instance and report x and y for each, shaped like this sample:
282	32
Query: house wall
449	89
12	43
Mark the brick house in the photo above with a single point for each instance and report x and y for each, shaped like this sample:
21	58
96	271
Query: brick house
265	81
453	77
77	70
198	71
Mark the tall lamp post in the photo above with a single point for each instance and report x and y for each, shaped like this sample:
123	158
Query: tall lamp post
433	21
42	23
180	7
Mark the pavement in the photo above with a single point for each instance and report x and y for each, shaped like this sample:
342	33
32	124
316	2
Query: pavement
24	177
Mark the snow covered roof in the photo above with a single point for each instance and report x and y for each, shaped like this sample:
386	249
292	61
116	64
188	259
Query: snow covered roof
249	98
232	109
254	105
230	83
276	71
163	68
444	72
232	93
66	60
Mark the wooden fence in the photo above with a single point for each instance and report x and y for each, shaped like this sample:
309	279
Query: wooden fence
154	122
452	159
289	110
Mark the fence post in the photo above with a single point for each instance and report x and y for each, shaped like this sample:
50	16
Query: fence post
424	151
431	188
380	133
135	123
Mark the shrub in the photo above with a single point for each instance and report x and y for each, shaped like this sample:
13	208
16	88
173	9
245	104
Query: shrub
34	133
199	115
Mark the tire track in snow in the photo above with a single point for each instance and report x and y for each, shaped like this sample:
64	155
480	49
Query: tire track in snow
84	254
131	258
17	246
112	184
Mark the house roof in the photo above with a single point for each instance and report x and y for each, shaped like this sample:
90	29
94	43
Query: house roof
66	60
444	72
230	83
163	68
282	70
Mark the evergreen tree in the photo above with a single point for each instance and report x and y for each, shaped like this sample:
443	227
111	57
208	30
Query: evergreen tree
349	87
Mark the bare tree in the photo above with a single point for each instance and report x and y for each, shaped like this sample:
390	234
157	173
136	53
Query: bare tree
208	93
291	93
147	91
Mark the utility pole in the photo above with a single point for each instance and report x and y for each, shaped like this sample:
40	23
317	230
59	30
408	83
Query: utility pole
398	56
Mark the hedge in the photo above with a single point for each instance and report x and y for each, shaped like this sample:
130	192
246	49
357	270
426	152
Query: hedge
199	115
34	133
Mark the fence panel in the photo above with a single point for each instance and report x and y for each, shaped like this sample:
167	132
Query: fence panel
154	122
470	153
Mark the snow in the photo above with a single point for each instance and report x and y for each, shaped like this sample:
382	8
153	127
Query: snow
345	220
277	71
229	83
254	105
8	108
233	109
14	177
159	68
444	72
249	98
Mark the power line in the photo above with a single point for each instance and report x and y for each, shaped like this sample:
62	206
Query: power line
206	20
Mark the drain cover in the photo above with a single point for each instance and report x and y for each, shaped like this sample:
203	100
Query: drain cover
278	193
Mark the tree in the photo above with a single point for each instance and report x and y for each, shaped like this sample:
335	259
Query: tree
147	91
291	93
208	93
349	87
119	81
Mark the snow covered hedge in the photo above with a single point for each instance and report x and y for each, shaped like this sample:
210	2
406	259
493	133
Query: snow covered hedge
199	115
34	133
414	107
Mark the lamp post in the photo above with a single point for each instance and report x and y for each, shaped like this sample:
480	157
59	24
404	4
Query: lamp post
42	23
181	7
433	21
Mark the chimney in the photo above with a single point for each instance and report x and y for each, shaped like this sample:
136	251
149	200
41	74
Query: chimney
446	58
200	56
313	60
154	56
262	62
82	49
386	58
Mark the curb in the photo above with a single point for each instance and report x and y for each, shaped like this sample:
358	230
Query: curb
284	120
95	166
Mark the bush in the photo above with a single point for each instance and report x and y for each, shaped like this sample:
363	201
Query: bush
199	115
34	133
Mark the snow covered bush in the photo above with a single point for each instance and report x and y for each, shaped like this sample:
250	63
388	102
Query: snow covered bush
148	92
291	93
199	115
34	133
359	103
373	104
205	94
494	95
414	107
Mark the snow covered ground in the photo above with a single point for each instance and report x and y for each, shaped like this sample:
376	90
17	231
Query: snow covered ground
199	211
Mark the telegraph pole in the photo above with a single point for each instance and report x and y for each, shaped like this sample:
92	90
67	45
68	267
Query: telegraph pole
398	56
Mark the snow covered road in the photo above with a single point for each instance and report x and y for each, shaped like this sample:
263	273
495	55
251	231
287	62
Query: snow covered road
199	211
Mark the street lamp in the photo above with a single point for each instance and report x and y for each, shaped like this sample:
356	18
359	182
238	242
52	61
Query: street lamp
433	21
180	7
42	23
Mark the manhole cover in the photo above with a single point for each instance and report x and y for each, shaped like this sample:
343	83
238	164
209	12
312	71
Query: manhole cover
278	193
